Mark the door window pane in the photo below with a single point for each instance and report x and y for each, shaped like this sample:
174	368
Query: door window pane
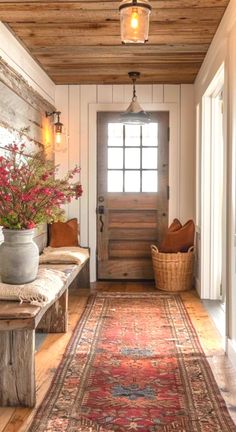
132	135
115	181
115	158
149	181
132	181
132	158
149	158
150	135
115	135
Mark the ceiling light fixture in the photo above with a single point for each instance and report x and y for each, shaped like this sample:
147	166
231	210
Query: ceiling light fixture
134	20
135	113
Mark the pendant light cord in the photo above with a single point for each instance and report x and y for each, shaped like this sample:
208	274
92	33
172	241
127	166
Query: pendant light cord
134	90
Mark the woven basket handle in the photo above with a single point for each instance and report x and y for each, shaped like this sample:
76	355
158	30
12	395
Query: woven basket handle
191	249
154	248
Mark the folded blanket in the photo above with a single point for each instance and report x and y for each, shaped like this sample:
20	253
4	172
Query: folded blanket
67	255
40	292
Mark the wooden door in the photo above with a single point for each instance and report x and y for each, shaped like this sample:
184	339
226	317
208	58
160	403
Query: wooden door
132	195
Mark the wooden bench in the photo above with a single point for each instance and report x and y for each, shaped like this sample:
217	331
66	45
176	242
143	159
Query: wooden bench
18	323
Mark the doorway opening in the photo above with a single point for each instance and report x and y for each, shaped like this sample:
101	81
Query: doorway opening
213	196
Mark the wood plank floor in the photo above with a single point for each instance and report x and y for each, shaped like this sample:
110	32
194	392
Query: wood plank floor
51	351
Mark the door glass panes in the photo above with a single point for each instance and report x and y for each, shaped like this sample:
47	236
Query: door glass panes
115	135
132	161
132	181
149	181
132	158
115	181
132	135
115	158
149	158
150	135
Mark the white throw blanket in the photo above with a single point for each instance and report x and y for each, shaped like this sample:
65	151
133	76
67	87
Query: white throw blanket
66	255
40	292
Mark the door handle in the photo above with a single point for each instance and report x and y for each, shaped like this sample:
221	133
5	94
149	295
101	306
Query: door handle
100	211
101	223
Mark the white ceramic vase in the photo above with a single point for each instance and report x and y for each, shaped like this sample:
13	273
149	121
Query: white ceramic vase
19	257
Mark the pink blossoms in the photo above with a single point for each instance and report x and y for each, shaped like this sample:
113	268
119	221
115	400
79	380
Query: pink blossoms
29	192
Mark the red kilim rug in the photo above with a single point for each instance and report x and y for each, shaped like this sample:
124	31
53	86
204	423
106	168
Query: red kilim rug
134	363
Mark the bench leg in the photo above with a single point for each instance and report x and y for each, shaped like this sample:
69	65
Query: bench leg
84	276
17	377
55	320
82	280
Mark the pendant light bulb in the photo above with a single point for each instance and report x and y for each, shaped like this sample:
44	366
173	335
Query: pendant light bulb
134	19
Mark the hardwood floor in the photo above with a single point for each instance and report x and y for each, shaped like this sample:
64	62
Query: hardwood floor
51	351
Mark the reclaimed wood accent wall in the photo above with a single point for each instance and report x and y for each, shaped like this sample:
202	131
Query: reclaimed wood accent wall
23	118
23	113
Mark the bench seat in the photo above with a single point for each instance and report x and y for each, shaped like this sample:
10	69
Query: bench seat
18	322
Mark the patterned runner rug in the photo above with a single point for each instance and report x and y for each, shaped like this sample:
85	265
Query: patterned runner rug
134	363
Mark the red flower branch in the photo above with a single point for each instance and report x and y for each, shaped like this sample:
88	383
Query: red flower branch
29	192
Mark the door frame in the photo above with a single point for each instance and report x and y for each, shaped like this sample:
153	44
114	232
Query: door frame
174	166
208	286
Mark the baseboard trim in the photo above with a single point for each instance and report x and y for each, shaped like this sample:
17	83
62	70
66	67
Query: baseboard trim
198	286
231	350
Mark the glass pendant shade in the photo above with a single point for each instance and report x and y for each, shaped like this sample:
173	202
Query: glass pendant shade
134	20
135	113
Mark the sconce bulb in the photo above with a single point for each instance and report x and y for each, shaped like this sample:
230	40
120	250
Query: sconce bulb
134	19
58	138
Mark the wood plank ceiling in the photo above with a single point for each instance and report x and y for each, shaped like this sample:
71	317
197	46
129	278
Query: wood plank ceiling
78	42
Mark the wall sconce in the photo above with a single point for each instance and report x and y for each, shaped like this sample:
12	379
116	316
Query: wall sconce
135	114
134	20
60	144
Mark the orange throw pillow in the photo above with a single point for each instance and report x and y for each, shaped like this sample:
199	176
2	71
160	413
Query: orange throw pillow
176	225
62	234
180	240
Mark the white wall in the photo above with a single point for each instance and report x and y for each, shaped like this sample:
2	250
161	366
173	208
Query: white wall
222	51
79	105
20	60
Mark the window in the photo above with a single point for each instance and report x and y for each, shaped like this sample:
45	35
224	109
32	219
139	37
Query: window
132	158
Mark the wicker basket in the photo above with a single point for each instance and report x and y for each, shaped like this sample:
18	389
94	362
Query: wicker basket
173	271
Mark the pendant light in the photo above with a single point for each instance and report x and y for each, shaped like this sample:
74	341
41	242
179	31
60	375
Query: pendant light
135	113
134	20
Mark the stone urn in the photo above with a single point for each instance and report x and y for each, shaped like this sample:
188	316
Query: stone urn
19	257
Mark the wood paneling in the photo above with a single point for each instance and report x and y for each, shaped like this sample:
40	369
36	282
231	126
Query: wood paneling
79	41
22	112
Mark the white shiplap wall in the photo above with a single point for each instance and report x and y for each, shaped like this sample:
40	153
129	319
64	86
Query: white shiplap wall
79	105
